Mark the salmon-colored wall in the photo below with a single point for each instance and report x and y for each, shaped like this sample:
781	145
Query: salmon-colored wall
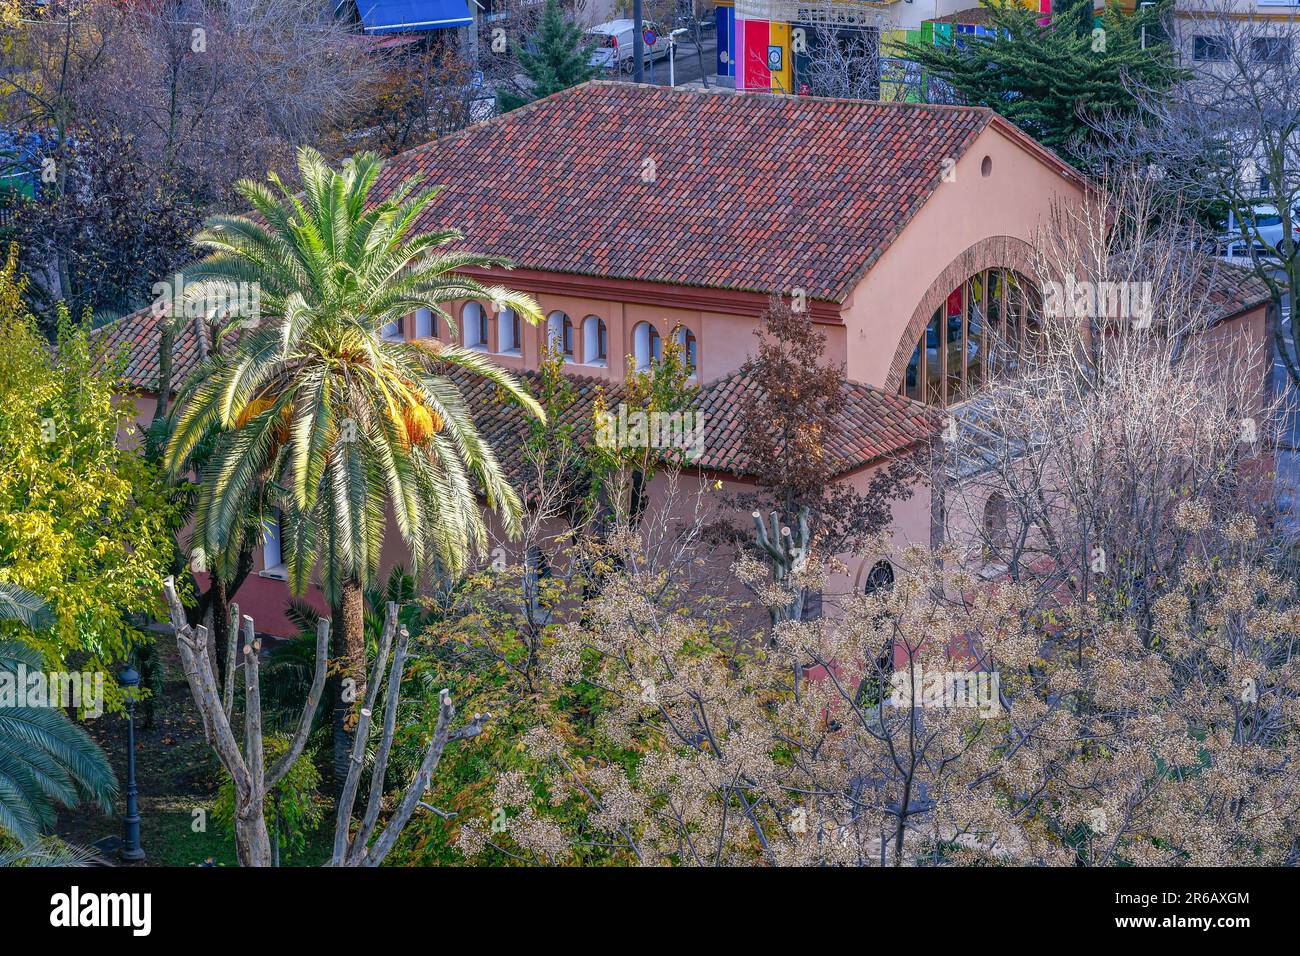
1014	200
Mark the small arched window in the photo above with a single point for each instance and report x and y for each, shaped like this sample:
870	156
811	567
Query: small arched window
686	339
474	325
426	324
594	341
508	331
879	578
559	333
995	521
645	345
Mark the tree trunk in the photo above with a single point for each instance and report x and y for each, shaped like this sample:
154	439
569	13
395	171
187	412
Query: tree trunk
221	636
252	844
349	617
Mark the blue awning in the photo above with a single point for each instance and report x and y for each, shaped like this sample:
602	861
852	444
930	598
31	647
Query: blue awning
398	16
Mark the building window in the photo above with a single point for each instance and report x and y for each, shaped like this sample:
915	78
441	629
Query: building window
995	523
426	324
1270	50
474	324
536	570
508	331
272	558
594	341
976	302
879	578
1211	49
955	341
645	345
559	333
392	332
686	341
912	378
980	329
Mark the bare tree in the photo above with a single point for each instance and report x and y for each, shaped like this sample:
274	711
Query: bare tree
1227	139
219	90
845	63
367	845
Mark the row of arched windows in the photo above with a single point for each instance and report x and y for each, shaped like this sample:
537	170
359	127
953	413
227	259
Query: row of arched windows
591	339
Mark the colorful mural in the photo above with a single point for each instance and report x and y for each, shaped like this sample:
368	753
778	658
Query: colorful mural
758	52
754	51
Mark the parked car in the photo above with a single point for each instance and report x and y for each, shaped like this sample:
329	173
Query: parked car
1265	231
613	41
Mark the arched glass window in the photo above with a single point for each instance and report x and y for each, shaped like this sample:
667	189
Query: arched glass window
686	339
426	324
559	333
879	578
594	341
978	331
474	326
645	345
509	339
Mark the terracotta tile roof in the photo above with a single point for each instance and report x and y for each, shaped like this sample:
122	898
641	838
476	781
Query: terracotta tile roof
1228	289
138	335
754	191
972	16
873	425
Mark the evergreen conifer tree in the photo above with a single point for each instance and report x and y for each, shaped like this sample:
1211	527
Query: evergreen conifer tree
560	58
1045	76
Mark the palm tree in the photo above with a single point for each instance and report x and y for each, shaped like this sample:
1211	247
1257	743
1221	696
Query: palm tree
45	758
324	419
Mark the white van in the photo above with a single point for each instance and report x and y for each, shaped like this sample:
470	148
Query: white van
613	41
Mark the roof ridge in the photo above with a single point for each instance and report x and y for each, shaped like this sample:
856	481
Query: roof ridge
792	99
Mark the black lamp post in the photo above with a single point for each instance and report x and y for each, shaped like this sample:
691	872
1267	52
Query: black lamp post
131	850
638	45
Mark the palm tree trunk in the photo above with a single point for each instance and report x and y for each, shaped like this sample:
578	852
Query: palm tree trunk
221	635
350	650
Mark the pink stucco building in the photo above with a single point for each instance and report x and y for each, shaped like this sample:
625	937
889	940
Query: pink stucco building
633	213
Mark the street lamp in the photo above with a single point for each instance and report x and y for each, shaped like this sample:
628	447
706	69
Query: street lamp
1143	6
131	849
638	51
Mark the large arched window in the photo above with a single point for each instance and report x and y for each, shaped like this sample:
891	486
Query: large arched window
981	329
559	333
686	340
426	324
474	326
595	341
645	345
509	341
